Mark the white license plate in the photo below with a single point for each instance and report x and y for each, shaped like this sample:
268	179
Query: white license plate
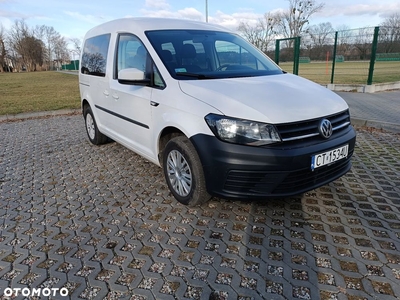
329	157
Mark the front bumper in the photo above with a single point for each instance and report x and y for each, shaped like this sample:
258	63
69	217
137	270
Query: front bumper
238	171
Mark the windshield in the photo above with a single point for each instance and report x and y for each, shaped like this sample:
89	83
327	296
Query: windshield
199	54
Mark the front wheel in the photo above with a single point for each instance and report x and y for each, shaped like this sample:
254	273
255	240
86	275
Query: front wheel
184	173
95	136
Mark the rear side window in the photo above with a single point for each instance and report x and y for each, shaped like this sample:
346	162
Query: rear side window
94	57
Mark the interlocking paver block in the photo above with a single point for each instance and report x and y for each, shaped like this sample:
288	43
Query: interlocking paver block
100	222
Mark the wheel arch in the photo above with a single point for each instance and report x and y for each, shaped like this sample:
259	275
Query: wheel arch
183	170
166	135
84	104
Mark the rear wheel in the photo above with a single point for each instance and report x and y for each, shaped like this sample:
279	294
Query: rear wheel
184	173
94	135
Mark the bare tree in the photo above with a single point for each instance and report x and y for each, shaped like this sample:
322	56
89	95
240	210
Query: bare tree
320	39
262	33
76	43
345	40
363	42
75	52
389	37
344	34
3	53
30	49
50	38
392	21
35	53
61	53
321	34
17	39
27	50
40	33
294	21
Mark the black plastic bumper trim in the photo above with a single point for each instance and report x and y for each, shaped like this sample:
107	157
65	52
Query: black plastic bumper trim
238	171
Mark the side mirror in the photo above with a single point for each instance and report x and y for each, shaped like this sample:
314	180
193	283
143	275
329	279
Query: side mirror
132	76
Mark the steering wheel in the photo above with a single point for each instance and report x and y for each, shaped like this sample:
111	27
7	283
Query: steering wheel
224	66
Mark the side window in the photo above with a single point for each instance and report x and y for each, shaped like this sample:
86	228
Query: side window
94	57
233	54
131	53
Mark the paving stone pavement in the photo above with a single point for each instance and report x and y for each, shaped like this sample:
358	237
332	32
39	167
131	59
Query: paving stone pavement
100	222
378	110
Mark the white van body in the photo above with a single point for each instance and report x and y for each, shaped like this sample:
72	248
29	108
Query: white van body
217	114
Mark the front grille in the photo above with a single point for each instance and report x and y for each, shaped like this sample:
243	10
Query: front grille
309	129
277	184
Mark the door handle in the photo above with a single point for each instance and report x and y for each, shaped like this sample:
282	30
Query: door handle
106	93
155	104
115	96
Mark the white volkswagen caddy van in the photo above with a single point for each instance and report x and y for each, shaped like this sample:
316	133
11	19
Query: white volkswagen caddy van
213	111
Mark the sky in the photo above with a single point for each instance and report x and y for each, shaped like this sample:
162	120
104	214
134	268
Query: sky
73	18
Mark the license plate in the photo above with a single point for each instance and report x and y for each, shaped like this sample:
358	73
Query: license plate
329	157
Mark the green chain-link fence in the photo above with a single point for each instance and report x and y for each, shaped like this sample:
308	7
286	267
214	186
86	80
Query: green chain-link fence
72	66
362	56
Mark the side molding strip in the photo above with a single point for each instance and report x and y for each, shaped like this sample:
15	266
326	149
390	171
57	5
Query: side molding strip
122	117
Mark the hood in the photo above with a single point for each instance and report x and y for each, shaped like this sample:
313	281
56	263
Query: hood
272	99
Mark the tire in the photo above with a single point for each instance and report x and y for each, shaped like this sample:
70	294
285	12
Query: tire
184	173
94	135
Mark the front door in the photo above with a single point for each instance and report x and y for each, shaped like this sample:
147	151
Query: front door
130	105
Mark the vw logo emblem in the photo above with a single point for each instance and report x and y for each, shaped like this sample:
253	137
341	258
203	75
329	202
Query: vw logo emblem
325	128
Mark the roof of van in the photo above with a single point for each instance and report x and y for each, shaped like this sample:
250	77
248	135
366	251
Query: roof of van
145	24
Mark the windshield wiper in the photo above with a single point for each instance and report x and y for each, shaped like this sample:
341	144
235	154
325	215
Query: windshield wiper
195	75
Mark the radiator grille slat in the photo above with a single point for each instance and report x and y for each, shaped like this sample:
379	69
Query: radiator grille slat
309	129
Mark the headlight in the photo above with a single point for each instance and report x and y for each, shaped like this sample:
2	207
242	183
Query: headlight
242	131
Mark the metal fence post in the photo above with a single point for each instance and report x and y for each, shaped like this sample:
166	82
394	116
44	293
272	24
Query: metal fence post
277	51
296	59
373	56
334	57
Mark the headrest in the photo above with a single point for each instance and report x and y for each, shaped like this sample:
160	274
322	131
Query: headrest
188	51
141	51
166	55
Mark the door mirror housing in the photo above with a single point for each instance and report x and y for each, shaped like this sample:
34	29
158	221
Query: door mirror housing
132	76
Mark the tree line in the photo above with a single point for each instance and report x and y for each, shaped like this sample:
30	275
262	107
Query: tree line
33	49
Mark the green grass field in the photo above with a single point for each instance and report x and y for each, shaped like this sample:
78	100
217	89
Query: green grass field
44	91
37	91
347	72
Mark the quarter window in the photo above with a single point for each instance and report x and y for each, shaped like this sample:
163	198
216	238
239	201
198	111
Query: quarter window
94	57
